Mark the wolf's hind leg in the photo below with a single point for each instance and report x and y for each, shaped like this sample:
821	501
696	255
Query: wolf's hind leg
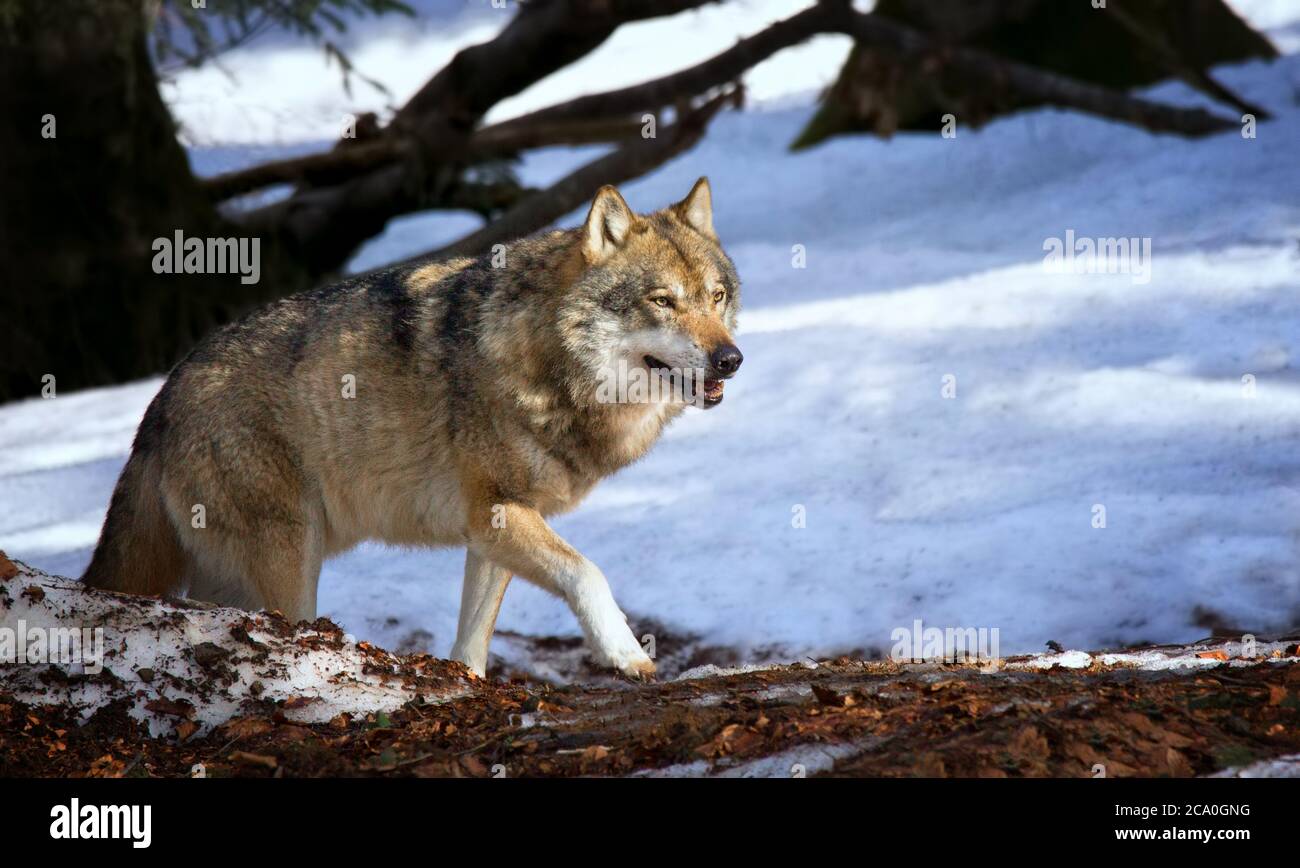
277	569
285	569
527	546
211	587
480	601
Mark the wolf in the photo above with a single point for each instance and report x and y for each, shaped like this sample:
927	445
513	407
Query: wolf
453	403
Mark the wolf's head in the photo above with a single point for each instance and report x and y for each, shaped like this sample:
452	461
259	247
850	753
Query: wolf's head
652	312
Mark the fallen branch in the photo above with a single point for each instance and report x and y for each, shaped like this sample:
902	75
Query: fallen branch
1197	78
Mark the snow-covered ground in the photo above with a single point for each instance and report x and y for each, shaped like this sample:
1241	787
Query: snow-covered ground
924	268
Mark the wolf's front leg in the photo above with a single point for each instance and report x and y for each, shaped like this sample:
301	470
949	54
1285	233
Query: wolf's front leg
522	542
480	601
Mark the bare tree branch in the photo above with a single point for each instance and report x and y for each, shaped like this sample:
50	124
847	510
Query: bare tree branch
325	224
330	167
338	165
630	161
714	72
543	37
498	141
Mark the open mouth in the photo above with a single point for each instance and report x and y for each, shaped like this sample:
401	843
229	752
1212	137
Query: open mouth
711	393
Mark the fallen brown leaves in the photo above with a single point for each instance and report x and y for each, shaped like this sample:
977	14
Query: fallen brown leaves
7	568
254	759
885	720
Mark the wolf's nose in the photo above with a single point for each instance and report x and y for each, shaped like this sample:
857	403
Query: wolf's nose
726	359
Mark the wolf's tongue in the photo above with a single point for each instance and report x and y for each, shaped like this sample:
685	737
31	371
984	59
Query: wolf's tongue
713	388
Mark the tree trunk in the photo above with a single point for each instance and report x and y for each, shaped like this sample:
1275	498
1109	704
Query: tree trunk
91	174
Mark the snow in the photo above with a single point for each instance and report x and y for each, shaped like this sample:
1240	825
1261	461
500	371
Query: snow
924	259
1281	767
797	762
1198	656
712	670
1065	660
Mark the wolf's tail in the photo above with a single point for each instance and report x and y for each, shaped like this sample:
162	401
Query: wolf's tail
139	551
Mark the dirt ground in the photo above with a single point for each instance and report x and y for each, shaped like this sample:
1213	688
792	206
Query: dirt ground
835	718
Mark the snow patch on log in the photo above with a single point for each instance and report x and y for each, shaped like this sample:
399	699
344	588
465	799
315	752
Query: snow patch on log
1280	767
800	761
1208	654
710	670
184	666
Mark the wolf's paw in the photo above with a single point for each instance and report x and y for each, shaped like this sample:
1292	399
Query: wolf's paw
630	660
639	670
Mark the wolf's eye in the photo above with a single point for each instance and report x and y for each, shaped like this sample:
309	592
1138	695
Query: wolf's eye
719	296
662	301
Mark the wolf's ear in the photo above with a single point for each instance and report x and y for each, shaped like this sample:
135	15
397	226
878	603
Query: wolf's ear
608	224
696	210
